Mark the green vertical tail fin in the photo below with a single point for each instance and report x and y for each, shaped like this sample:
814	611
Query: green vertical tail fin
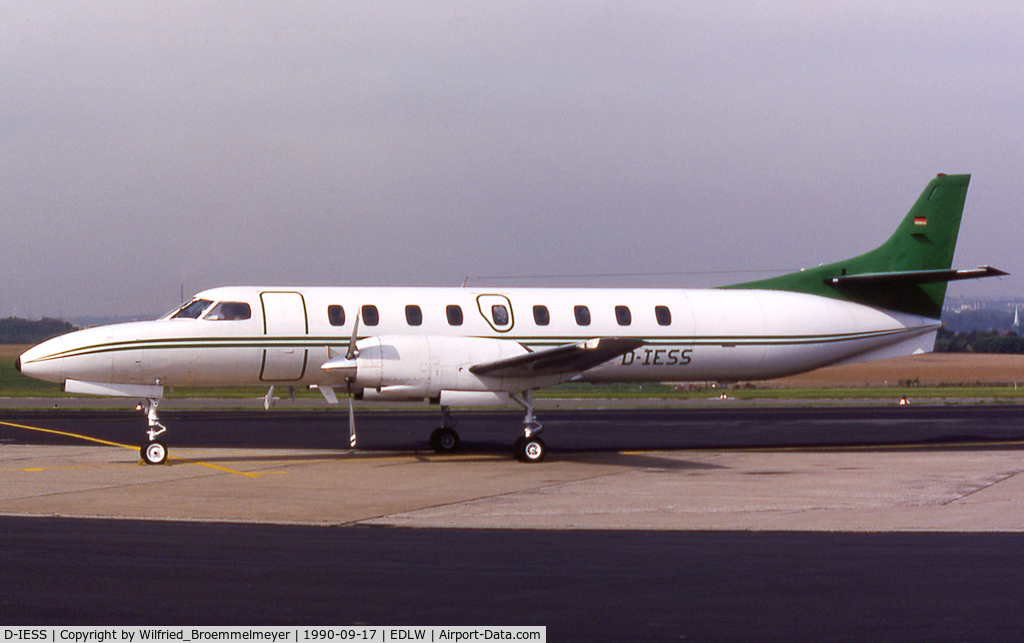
908	273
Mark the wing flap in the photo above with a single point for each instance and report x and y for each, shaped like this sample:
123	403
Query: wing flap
570	358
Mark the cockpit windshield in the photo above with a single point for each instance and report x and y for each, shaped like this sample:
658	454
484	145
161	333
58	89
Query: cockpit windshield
192	310
229	310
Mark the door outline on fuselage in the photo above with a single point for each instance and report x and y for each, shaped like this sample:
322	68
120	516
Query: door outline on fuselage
281	311
486	303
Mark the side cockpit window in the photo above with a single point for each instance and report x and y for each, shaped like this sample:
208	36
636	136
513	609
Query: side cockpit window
192	310
229	310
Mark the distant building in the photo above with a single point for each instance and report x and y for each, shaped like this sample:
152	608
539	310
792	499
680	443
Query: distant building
962	314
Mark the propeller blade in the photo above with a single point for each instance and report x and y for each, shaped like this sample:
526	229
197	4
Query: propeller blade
351	422
353	352
350	357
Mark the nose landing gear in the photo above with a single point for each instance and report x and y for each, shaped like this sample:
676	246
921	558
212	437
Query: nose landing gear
154	451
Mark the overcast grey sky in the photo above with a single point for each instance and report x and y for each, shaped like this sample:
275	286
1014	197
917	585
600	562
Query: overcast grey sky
149	145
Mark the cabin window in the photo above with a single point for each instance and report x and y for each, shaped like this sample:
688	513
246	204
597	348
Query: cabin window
499	314
541	316
623	316
663	315
370	315
454	314
229	310
582	315
336	315
192	310
413	315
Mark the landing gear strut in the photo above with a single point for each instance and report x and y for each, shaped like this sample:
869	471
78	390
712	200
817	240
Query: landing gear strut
155	451
529	447
445	439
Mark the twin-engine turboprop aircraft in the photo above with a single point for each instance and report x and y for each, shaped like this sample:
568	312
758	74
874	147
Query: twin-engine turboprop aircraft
459	346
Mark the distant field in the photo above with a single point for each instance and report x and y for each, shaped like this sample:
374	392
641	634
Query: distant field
10	351
13	383
931	370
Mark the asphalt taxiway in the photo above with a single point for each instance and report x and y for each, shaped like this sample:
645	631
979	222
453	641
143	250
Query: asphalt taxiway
582	585
838	469
841	523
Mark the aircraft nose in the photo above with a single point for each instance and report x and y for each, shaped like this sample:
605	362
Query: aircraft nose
38	362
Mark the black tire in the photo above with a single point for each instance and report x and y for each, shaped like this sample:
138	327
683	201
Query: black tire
444	440
530	449
517	449
154	452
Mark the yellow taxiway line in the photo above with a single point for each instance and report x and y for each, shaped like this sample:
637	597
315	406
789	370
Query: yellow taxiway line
108	443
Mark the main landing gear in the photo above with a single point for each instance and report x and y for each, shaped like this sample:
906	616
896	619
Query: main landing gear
154	451
445	439
527	447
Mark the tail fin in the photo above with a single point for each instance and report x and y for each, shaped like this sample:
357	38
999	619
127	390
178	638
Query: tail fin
907	273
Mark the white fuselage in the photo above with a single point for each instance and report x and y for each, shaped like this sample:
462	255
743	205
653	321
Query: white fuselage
419	341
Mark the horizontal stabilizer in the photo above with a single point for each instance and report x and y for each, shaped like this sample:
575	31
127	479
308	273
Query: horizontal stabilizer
916	276
570	358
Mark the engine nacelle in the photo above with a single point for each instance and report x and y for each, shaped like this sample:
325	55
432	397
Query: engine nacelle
421	367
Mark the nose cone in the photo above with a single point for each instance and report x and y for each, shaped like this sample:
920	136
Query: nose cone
43	361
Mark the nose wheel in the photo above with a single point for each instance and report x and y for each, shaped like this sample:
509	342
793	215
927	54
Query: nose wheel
154	453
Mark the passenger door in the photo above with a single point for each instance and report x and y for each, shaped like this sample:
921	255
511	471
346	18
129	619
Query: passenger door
285	327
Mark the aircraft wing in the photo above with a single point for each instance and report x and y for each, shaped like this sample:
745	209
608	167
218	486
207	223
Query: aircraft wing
570	358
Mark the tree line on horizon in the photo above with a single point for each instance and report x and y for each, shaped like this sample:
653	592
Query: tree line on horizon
979	341
15	330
